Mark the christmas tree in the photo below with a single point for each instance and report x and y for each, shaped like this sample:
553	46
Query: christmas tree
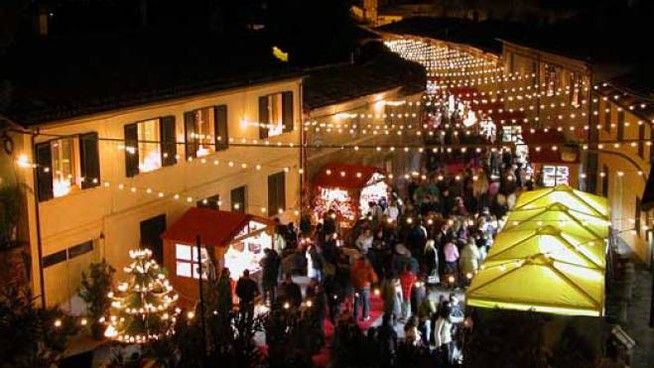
142	309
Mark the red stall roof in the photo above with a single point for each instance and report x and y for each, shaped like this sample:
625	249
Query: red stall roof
216	228
344	175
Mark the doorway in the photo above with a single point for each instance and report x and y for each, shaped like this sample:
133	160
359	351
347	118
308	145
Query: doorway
151	230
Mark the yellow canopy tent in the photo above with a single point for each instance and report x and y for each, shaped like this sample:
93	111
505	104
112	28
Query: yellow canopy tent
576	200
539	283
521	243
568	220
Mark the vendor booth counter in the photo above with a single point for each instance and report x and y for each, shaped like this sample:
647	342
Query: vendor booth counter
228	239
347	189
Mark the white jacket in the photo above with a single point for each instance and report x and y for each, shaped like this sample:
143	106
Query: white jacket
442	332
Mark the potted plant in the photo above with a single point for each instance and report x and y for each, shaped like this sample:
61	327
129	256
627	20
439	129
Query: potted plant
96	284
31	336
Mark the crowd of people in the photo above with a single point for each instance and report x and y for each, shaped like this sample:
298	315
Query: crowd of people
414	251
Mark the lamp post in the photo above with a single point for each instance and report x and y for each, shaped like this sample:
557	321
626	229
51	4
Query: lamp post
198	244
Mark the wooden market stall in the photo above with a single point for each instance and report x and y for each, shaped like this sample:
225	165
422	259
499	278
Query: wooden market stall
347	189
229	239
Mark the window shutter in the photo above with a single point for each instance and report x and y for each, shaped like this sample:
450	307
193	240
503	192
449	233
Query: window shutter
168	140
221	129
191	140
90	160
44	171
263	117
131	150
276	193
287	111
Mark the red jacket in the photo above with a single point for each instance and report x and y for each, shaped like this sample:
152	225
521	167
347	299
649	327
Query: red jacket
362	275
407	279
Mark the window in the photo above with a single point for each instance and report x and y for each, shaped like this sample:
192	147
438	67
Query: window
54	258
66	163
149	148
276	193
238	198
67	254
275	114
80	249
200	132
187	264
555	175
641	140
63	166
620	125
212	202
607	117
149	145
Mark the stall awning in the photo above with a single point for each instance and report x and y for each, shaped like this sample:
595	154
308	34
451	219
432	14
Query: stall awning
216	228
346	176
567	220
539	283
576	200
550	240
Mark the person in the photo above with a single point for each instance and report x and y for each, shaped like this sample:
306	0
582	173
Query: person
364	241
469	261
279	236
430	255
291	292
246	290
443	337
362	276
391	292
407	280
456	315
392	211
451	254
224	293
387	338
270	264
411	333
317	262
426	310
315	293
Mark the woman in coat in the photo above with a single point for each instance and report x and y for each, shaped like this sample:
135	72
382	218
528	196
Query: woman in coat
469	261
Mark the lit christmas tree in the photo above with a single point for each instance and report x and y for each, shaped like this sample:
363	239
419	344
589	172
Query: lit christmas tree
142	309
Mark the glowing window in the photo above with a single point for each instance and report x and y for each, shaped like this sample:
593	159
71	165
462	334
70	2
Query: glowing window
64	167
187	264
149	146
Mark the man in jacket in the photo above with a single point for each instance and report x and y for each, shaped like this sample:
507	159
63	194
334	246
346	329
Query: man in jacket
246	290
292	294
270	272
362	276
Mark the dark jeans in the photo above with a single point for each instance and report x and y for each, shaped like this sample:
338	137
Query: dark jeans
246	309
362	298
269	292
